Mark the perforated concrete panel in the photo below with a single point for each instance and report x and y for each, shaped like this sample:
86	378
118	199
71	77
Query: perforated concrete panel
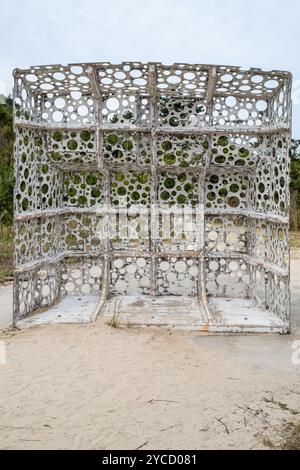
145	181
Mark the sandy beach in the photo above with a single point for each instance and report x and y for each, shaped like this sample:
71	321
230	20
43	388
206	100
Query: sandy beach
98	387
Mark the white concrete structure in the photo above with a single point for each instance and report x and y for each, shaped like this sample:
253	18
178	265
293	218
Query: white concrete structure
164	183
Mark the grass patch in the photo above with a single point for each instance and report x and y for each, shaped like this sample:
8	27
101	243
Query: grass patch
114	321
291	441
289	438
295	239
287	435
282	406
6	253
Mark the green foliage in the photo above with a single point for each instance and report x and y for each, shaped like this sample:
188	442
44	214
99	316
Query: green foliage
6	250
295	184
6	161
295	165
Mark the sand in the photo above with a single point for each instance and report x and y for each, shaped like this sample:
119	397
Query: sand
97	387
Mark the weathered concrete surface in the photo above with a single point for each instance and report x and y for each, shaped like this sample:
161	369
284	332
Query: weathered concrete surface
6	306
187	313
71	309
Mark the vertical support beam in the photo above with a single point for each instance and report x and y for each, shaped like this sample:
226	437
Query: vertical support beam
92	73
16	302
153	187
210	91
289	111
202	295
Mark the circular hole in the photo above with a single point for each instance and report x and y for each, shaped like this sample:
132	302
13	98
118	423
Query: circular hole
72	144
31	78
243	114
140	81
127	114
45	291
234	188
83	79
190	86
214	265
174	122
233	266
118	85
59	103
261	105
233	201
281	97
223	192
243	152
232	238
47	86
76	69
112	117
57	116
245	88
95	271
58	76
227	77
180	266
106	81
212	236
83	110
76	95
164	266
69	286
112	104
173	80
141	262
271	84
189	76
162	86
120	75
230	101
76	273
257	79
135	73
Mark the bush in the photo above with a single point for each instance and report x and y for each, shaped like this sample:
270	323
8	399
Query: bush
6	162
295	185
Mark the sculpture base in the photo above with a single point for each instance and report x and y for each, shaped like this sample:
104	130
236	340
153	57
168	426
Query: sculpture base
221	315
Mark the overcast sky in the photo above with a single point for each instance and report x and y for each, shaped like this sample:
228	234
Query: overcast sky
258	33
